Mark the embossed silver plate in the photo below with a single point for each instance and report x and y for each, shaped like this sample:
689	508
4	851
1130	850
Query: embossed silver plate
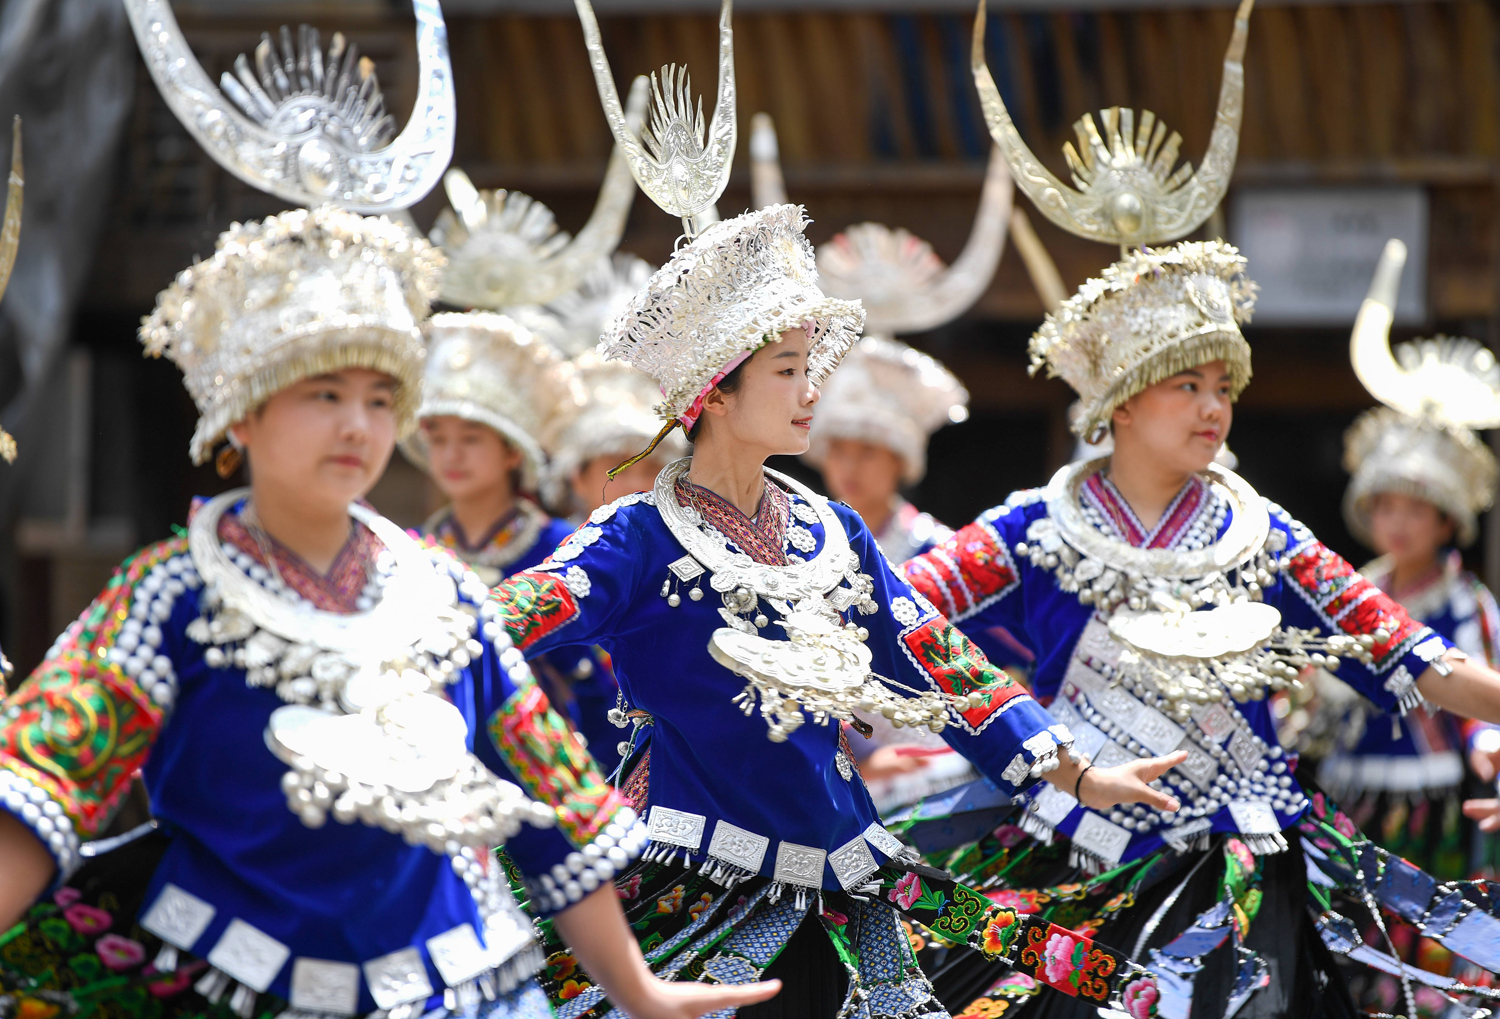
249	954
178	917
799	865
322	985
676	827
458	955
738	846
852	863
398	978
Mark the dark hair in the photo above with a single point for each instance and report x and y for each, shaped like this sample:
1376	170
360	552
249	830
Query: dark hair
728	384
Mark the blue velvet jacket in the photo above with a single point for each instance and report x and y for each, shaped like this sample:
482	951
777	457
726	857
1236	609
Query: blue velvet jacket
125	690
1243	779
714	773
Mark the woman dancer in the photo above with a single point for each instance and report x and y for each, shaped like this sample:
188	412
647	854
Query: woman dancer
491	388
1102	571
1417	487
777	612
297	656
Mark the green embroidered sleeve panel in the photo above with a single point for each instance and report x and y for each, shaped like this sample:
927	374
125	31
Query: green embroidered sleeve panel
75	733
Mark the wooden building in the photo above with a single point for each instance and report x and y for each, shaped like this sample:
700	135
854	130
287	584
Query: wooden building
878	120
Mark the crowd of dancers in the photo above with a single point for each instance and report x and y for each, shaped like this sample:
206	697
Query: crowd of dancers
637	726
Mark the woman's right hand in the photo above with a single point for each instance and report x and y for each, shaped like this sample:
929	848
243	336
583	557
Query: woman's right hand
1103	788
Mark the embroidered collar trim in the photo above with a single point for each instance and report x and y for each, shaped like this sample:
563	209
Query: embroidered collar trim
507	542
1176	520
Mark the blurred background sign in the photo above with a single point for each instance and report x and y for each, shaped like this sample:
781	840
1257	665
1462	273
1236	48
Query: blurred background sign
1313	249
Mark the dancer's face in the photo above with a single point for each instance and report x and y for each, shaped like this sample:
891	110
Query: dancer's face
468	459
771	410
1408	529
861	473
325	439
1180	422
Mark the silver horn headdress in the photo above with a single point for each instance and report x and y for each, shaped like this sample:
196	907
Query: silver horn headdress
1455	381
677	165
504	248
1436	393
306	124
1127	190
10	241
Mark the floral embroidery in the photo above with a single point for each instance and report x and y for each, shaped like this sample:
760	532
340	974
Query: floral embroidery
118	953
572	989
546	756
1022	900
1000	932
908	889
1067	961
87	919
836	918
956	666
1140	998
628	890
967	571
561	965
704	901
672	901
1346	598
533	604
1062	956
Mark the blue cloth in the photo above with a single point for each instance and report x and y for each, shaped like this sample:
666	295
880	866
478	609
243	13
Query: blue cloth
707	756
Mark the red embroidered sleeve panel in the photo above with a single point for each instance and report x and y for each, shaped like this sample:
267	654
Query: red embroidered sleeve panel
78	729
968	571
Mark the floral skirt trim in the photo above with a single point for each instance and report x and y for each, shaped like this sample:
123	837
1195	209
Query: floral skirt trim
691	928
80	954
1347	872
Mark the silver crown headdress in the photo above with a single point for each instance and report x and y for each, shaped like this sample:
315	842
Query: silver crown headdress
305	124
504	248
486	368
887	393
897	277
303	292
299	294
737	284
1436	392
1154	313
1127	190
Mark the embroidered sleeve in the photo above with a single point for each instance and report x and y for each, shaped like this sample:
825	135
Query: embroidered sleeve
74	734
1320	590
1003	731
971	573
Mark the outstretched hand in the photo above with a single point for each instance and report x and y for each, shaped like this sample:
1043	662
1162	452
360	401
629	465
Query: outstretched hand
1486	812
1103	788
660	999
595	929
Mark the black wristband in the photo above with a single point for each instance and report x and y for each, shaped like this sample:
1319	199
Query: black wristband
1078	785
